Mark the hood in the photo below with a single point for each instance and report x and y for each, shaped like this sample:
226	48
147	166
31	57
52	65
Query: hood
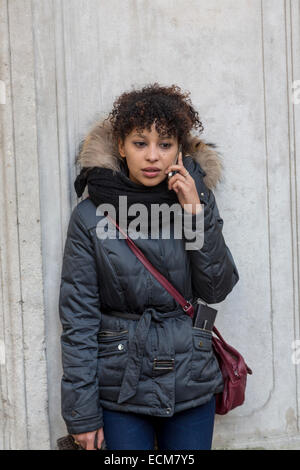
99	149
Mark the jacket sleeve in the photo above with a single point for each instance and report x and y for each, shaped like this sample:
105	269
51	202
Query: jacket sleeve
79	311
214	273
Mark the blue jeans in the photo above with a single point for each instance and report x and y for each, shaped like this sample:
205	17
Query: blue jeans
189	429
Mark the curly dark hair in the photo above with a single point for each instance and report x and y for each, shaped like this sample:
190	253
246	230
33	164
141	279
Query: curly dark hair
167	106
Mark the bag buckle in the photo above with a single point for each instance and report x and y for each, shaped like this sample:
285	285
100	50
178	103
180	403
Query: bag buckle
188	308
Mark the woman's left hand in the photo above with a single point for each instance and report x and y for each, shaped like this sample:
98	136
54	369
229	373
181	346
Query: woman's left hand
184	186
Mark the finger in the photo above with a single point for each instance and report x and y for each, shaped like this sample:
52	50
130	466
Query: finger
181	177
180	158
90	447
100	438
90	444
184	172
173	168
174	188
81	443
177	177
180	168
178	186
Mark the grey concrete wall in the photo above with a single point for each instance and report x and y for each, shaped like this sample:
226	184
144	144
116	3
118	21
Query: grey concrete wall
62	63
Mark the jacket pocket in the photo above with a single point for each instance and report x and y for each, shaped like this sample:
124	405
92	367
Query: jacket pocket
112	357
110	335
204	365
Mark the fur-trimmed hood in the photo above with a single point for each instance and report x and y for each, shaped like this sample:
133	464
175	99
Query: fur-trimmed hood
99	149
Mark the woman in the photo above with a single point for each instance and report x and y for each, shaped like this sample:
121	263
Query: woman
135	367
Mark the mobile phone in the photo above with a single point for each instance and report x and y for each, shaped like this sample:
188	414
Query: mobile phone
204	316
172	173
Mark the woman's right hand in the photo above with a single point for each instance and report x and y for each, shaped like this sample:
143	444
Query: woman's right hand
87	439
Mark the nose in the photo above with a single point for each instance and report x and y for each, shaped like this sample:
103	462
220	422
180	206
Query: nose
152	154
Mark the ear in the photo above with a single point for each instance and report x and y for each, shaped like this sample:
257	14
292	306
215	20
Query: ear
121	148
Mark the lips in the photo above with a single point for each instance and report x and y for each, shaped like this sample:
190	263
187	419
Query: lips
151	168
151	172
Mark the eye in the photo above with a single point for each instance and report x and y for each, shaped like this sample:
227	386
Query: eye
164	145
139	144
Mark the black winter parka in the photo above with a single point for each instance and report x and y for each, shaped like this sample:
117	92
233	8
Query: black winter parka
157	364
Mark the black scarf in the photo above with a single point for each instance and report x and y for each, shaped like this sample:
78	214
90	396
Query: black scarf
105	186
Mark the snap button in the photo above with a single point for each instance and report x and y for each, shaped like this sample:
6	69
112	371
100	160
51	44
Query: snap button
200	343
168	410
120	346
201	194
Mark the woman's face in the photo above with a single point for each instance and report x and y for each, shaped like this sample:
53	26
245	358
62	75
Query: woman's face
148	150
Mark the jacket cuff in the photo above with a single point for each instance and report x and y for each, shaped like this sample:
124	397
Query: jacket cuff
83	425
79	419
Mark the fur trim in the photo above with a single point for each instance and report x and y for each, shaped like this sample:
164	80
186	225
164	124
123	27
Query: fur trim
99	149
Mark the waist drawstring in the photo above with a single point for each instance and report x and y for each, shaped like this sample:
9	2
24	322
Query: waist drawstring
136	346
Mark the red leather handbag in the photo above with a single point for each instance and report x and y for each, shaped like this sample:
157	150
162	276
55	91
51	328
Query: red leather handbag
234	371
232	364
